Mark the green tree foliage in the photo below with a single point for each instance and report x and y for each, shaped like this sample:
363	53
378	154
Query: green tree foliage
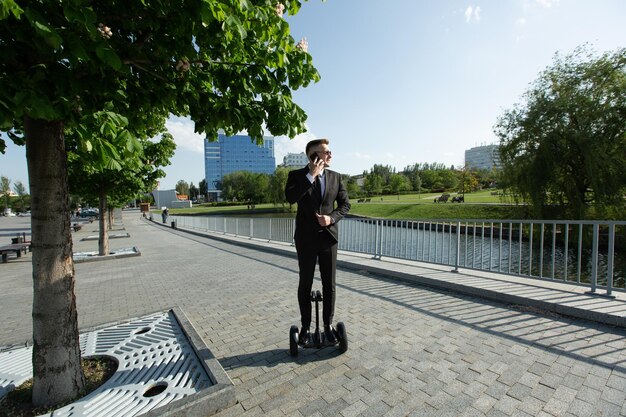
194	192
5	188
20	190
134	169
228	64
277	183
245	186
354	190
373	184
204	189
448	178
467	180
182	187
565	145
399	183
434	177
412	172
384	172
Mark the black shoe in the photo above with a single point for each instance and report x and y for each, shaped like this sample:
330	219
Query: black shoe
304	339
330	335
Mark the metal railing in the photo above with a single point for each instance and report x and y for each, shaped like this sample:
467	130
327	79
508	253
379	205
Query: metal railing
574	252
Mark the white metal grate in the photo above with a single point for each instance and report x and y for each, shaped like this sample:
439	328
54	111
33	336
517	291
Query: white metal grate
157	365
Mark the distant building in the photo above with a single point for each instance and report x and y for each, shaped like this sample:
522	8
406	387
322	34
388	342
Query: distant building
295	160
359	179
229	154
169	199
483	157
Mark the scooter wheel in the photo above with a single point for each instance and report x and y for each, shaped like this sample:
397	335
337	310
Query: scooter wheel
342	336
293	341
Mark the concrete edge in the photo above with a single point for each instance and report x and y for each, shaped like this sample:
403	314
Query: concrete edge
486	294
125	235
108	257
491	295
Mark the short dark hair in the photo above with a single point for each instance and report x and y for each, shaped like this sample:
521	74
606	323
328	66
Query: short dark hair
315	142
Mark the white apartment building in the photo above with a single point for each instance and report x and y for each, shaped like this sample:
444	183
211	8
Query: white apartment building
296	160
483	157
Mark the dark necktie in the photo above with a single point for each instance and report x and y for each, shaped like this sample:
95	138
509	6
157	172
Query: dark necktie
317	188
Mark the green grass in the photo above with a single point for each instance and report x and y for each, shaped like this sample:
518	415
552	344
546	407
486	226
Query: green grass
232	210
481	205
438	211
483	196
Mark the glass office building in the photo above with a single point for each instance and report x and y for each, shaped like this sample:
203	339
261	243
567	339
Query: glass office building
236	153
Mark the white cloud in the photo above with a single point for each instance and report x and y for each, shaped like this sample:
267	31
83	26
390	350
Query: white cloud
283	145
472	13
182	129
521	21
546	3
359	155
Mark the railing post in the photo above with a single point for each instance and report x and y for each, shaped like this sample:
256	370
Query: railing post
594	259
610	255
458	247
541	251
377	240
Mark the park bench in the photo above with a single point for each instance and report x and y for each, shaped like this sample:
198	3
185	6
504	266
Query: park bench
16	248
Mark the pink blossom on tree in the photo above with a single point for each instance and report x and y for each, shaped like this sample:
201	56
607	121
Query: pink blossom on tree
303	45
280	9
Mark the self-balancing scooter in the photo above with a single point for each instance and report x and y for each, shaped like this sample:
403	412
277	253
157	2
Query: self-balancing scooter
318	337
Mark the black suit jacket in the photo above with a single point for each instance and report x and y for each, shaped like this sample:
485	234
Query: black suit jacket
299	190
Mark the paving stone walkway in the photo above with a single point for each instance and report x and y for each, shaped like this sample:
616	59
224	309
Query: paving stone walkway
414	351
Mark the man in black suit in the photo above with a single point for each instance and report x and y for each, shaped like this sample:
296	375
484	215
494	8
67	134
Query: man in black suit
316	189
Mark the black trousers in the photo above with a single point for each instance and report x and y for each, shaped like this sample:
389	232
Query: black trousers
323	248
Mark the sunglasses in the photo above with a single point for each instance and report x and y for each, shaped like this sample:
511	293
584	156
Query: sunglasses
328	153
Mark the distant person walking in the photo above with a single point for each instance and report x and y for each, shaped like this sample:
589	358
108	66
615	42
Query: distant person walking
316	189
164	214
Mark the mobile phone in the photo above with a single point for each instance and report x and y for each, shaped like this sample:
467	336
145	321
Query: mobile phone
313	157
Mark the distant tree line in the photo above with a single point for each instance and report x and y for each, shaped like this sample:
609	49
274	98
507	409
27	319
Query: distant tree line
19	202
421	177
258	188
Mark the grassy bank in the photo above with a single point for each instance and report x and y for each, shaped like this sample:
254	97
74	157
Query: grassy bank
438	211
486	204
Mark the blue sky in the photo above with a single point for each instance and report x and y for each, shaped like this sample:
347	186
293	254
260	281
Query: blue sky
406	81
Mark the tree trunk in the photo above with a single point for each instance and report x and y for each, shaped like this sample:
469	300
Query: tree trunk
56	353
103	236
111	219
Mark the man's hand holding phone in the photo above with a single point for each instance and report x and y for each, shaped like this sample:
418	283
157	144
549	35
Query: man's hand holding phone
316	165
